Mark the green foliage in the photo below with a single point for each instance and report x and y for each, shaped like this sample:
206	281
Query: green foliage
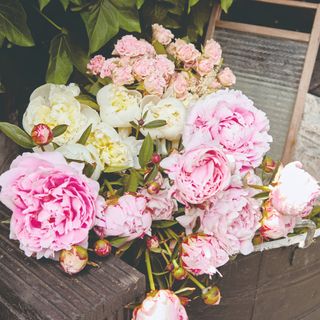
59	130
65	33
17	135
146	151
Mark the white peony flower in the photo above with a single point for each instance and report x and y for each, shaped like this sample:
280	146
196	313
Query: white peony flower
171	110
89	154
112	150
55	105
118	105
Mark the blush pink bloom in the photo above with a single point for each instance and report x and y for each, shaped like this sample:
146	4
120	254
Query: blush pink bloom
161	34
202	254
127	216
274	224
161	204
164	66
212	50
143	67
163	304
53	204
180	85
108	66
155	84
198	174
96	64
122	75
204	66
229	118
186	52
295	192
129	46
226	77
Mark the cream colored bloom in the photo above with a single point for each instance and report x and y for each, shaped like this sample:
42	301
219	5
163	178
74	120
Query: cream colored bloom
112	150
118	105
171	110
55	105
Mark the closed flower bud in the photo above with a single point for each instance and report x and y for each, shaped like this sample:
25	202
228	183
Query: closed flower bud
102	248
74	260
141	122
156	158
211	295
179	273
258	239
41	134
268	165
152	242
153	188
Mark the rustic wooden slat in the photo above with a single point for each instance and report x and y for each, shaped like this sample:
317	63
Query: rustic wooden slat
291	3
214	17
265	31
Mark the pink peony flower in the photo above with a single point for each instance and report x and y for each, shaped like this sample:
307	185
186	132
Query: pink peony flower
122	75
274	224
41	134
295	192
163	304
127	216
230	119
108	66
186	52
212	50
143	67
198	174
96	64
155	84
161	34
226	77
161	204
180	85
233	219
53	203
204	66
202	254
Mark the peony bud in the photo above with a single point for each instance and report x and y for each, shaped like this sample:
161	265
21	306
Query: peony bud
102	248
152	242
179	273
153	188
211	295
73	260
156	158
41	134
141	122
268	165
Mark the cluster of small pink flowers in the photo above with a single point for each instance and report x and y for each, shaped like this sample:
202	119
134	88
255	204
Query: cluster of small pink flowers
137	63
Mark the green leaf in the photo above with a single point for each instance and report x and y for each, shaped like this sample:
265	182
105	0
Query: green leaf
87	100
101	22
226	4
124	248
60	64
65	4
162	224
192	3
160	49
84	137
155	124
59	130
118	241
77	54
43	4
200	17
261	195
139	3
13	23
55	145
110	169
128	15
17	135
153	173
88	169
146	151
133	181
93	88
160	273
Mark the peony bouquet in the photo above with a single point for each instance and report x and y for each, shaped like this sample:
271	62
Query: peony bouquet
166	168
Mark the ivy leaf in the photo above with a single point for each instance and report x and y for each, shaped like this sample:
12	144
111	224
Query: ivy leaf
191	3
13	23
87	100
226	4
200	16
65	4
60	64
77	55
101	22
17	135
43	4
155	124
146	151
84	137
59	130
139	3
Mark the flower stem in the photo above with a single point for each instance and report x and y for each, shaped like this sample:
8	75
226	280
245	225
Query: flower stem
196	281
109	186
149	270
164	257
165	243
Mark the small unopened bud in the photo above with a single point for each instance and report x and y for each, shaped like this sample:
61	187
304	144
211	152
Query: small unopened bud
141	122
41	134
211	295
153	188
258	239
74	260
179	273
268	165
156	158
184	300
152	242
102	248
